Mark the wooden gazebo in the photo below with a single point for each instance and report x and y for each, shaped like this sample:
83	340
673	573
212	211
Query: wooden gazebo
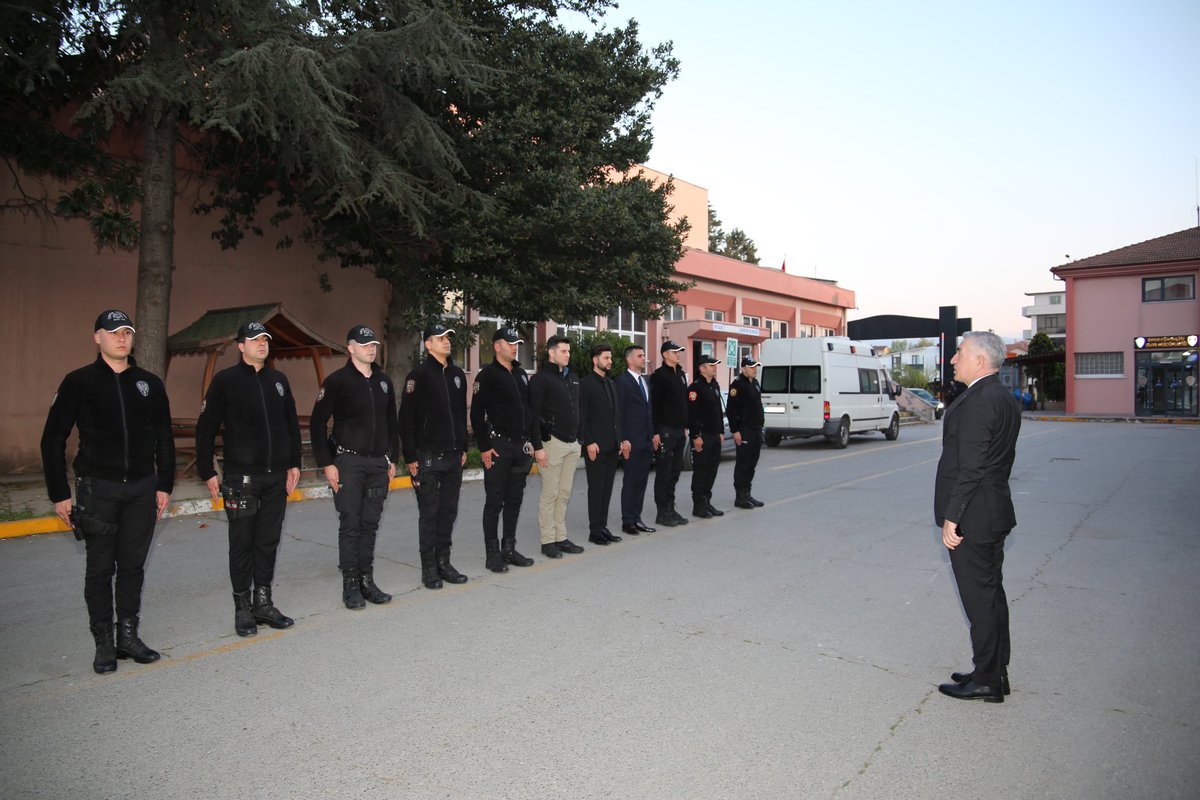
217	330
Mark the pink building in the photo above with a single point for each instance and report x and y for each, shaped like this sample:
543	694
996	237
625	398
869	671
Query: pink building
1132	328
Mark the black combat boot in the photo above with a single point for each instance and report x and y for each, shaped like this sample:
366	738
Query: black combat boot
666	518
351	590
446	570
429	570
716	512
265	610
700	508
495	562
680	519
130	646
752	499
743	500
370	592
508	551
106	648
243	617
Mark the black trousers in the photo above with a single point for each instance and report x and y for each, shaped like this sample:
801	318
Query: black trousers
359	503
633	485
704	467
504	487
747	458
438	483
668	465
978	564
131	507
254	538
600	476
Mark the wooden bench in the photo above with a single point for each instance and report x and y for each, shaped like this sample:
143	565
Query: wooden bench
184	431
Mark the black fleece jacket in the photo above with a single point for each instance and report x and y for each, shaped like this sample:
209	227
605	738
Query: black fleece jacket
258	412
124	422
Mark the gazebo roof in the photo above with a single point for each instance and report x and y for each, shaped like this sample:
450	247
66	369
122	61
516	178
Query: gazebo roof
217	329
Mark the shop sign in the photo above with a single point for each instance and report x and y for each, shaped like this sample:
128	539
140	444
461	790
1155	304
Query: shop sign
1165	342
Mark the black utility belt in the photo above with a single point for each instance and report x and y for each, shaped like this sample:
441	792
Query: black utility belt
705	434
427	455
518	440
346	451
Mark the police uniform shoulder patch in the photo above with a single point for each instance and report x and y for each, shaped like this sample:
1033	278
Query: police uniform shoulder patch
457	382
410	386
384	385
475	387
321	394
279	387
203	405
143	387
692	395
733	391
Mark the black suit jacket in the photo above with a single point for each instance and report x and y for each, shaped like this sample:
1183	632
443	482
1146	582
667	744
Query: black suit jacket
598	417
636	419
979	443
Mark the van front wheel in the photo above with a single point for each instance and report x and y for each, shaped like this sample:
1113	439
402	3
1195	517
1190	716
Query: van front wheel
893	429
842	437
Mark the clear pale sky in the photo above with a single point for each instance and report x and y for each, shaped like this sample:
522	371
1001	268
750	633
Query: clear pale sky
933	153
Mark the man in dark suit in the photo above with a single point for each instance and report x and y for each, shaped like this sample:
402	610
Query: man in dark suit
599	435
638	439
973	506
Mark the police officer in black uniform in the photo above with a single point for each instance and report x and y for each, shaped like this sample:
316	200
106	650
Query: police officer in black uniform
124	473
503	424
255	406
359	458
706	426
433	433
746	420
668	397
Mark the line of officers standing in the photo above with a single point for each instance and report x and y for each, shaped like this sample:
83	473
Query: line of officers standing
124	469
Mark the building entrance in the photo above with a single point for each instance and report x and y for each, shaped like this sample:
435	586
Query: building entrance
1166	384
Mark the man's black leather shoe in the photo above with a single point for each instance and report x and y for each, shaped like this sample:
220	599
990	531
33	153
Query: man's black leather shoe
609	535
643	527
963	677
632	530
972	691
551	550
598	538
567	546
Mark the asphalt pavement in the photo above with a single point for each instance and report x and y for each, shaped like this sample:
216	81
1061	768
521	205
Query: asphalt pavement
792	651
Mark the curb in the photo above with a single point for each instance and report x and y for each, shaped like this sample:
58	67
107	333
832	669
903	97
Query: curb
1132	420
203	505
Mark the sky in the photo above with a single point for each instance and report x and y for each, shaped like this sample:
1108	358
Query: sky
933	153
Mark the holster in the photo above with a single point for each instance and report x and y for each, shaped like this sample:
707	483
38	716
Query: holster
238	503
85	521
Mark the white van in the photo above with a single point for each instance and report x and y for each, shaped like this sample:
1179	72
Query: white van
827	386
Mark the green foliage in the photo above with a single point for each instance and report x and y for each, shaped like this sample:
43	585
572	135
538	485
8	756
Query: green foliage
581	350
1051	378
735	244
910	377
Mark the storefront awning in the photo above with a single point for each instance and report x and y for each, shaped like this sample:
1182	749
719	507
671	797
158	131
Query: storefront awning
686	329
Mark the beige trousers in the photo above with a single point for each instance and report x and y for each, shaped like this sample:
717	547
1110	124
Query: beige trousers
557	479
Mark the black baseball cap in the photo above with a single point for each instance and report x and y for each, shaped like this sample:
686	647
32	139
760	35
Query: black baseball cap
670	345
749	362
508	334
252	330
707	359
437	329
114	320
362	334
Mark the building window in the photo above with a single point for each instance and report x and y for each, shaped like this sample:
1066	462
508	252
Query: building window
628	324
1108	365
777	328
744	351
753	322
916	361
1052	323
828	332
713	315
1056	299
1179	287
809	331
706	348
672	314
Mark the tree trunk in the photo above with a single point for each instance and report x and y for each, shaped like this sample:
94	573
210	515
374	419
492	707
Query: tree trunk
404	347
156	255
